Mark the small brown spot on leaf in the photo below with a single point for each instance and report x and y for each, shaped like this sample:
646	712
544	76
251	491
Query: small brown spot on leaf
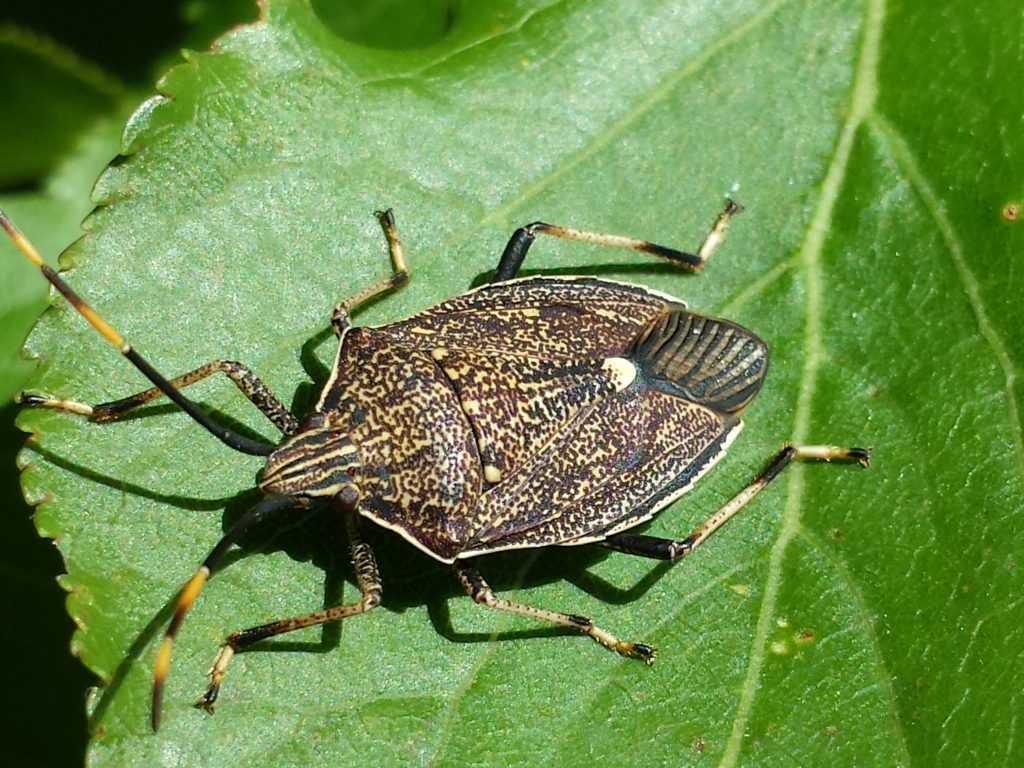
804	636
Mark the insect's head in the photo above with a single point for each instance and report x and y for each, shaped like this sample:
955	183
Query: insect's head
318	461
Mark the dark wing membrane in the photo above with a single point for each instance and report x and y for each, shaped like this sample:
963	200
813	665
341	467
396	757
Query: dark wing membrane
713	362
612	467
551	318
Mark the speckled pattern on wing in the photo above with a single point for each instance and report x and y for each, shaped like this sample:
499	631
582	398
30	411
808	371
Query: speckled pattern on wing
606	470
517	405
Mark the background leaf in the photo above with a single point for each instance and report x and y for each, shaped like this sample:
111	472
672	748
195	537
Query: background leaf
849	617
54	57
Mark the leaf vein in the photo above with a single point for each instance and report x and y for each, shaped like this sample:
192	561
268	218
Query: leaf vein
894	143
867	620
654	96
863	96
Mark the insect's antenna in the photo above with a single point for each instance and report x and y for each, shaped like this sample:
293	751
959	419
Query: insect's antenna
228	437
193	586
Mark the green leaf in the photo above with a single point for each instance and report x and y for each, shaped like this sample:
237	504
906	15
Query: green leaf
54	212
49	96
849	616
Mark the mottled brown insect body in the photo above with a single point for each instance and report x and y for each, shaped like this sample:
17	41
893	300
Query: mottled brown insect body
537	411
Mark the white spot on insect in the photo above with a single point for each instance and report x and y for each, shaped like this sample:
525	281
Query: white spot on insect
439	354
620	370
492	474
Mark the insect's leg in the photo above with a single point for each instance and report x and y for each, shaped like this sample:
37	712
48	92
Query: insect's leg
227	436
399	275
480	591
193	586
241	375
370	591
521	240
666	549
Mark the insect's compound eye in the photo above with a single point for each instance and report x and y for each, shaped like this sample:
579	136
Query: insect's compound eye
313	420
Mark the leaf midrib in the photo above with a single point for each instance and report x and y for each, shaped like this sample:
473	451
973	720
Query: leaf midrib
864	94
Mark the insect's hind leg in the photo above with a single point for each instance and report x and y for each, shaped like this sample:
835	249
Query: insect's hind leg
250	385
370	592
399	275
668	549
481	593
515	252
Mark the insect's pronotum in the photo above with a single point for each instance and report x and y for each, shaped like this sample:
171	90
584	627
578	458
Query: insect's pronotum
529	412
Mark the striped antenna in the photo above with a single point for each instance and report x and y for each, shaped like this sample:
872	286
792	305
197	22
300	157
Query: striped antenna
229	437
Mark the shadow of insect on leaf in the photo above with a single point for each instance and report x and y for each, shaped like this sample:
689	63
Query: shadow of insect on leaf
180	501
526	570
647	269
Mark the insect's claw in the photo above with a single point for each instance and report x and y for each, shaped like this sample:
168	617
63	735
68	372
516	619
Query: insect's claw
861	455
30	400
208	699
642	651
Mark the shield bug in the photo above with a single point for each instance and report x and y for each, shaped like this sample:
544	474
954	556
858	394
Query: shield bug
529	412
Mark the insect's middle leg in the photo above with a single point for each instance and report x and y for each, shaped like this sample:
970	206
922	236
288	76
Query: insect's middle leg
515	252
481	592
399	275
370	591
668	549
247	381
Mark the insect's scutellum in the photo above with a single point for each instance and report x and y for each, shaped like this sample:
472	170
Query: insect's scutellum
533	411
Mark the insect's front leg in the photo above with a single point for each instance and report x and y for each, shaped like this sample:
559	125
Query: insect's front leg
229	437
519	244
250	385
265	509
399	275
668	549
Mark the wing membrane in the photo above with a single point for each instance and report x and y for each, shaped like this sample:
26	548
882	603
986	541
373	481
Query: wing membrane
613	466
709	361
